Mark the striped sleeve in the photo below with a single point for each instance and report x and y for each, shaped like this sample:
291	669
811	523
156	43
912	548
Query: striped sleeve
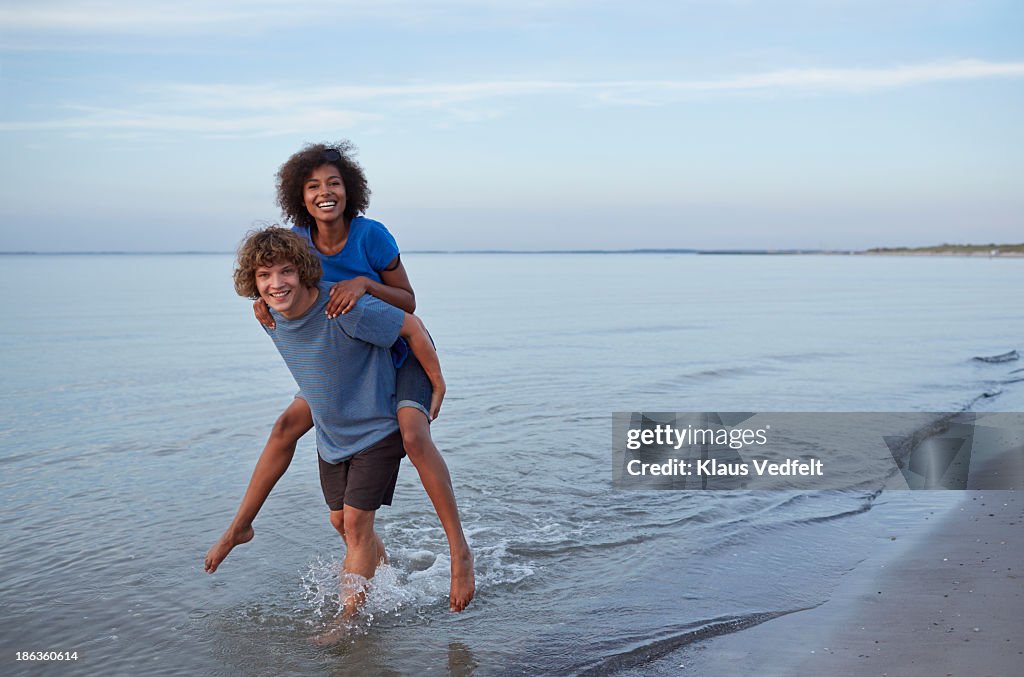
372	321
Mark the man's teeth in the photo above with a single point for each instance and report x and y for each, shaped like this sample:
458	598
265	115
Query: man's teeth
278	294
324	205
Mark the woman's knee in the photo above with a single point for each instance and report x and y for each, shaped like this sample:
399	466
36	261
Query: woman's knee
295	421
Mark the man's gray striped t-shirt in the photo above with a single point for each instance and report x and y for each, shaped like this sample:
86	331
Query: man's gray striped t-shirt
344	369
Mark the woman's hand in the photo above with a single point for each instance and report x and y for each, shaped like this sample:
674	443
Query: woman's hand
436	398
263	314
344	295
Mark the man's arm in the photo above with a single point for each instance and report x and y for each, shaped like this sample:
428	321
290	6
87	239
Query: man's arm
415	333
374	321
273	462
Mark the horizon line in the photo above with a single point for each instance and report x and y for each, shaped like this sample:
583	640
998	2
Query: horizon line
640	250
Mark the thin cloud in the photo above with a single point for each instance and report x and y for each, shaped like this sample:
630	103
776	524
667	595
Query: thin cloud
89	118
860	79
807	79
84	17
156	16
283	109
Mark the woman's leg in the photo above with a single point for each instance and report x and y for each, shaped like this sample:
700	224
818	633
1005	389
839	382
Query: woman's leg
273	462
437	481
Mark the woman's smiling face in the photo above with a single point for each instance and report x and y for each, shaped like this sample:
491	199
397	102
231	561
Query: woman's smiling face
324	194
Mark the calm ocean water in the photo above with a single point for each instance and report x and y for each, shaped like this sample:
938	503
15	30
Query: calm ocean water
138	392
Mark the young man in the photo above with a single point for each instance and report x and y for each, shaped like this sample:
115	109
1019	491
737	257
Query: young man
345	371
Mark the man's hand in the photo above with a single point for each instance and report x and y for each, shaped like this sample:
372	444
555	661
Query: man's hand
259	307
344	295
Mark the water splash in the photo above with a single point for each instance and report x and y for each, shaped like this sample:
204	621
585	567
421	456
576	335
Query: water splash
391	590
412	585
321	589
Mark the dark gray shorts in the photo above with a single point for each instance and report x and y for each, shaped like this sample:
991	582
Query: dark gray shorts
366	480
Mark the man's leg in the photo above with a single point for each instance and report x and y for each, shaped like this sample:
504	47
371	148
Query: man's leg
338	522
367	480
362	555
437	481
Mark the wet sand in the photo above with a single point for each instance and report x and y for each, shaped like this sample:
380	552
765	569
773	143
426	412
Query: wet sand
947	601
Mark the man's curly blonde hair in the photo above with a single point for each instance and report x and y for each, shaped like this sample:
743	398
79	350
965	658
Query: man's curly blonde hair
270	246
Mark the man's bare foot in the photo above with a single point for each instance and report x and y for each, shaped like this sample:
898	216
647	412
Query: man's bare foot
353	595
338	631
463	580
221	548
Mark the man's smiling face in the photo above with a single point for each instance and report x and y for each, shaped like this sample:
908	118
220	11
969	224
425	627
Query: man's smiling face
281	289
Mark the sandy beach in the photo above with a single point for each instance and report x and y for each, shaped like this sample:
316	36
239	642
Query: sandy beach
948	600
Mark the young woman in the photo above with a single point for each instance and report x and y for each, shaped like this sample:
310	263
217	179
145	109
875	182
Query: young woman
322	192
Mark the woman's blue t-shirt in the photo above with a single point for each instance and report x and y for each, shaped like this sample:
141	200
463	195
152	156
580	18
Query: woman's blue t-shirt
369	249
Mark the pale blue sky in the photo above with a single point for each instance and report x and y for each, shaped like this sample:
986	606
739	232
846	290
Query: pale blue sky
159	126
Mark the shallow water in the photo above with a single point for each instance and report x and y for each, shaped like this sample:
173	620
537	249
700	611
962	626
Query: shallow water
138	391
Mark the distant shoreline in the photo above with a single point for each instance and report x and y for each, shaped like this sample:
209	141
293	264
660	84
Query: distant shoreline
987	250
970	250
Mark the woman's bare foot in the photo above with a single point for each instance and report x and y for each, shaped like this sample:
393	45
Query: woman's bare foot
220	549
463	580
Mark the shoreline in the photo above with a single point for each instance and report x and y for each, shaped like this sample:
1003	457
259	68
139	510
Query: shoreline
946	601
972	255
